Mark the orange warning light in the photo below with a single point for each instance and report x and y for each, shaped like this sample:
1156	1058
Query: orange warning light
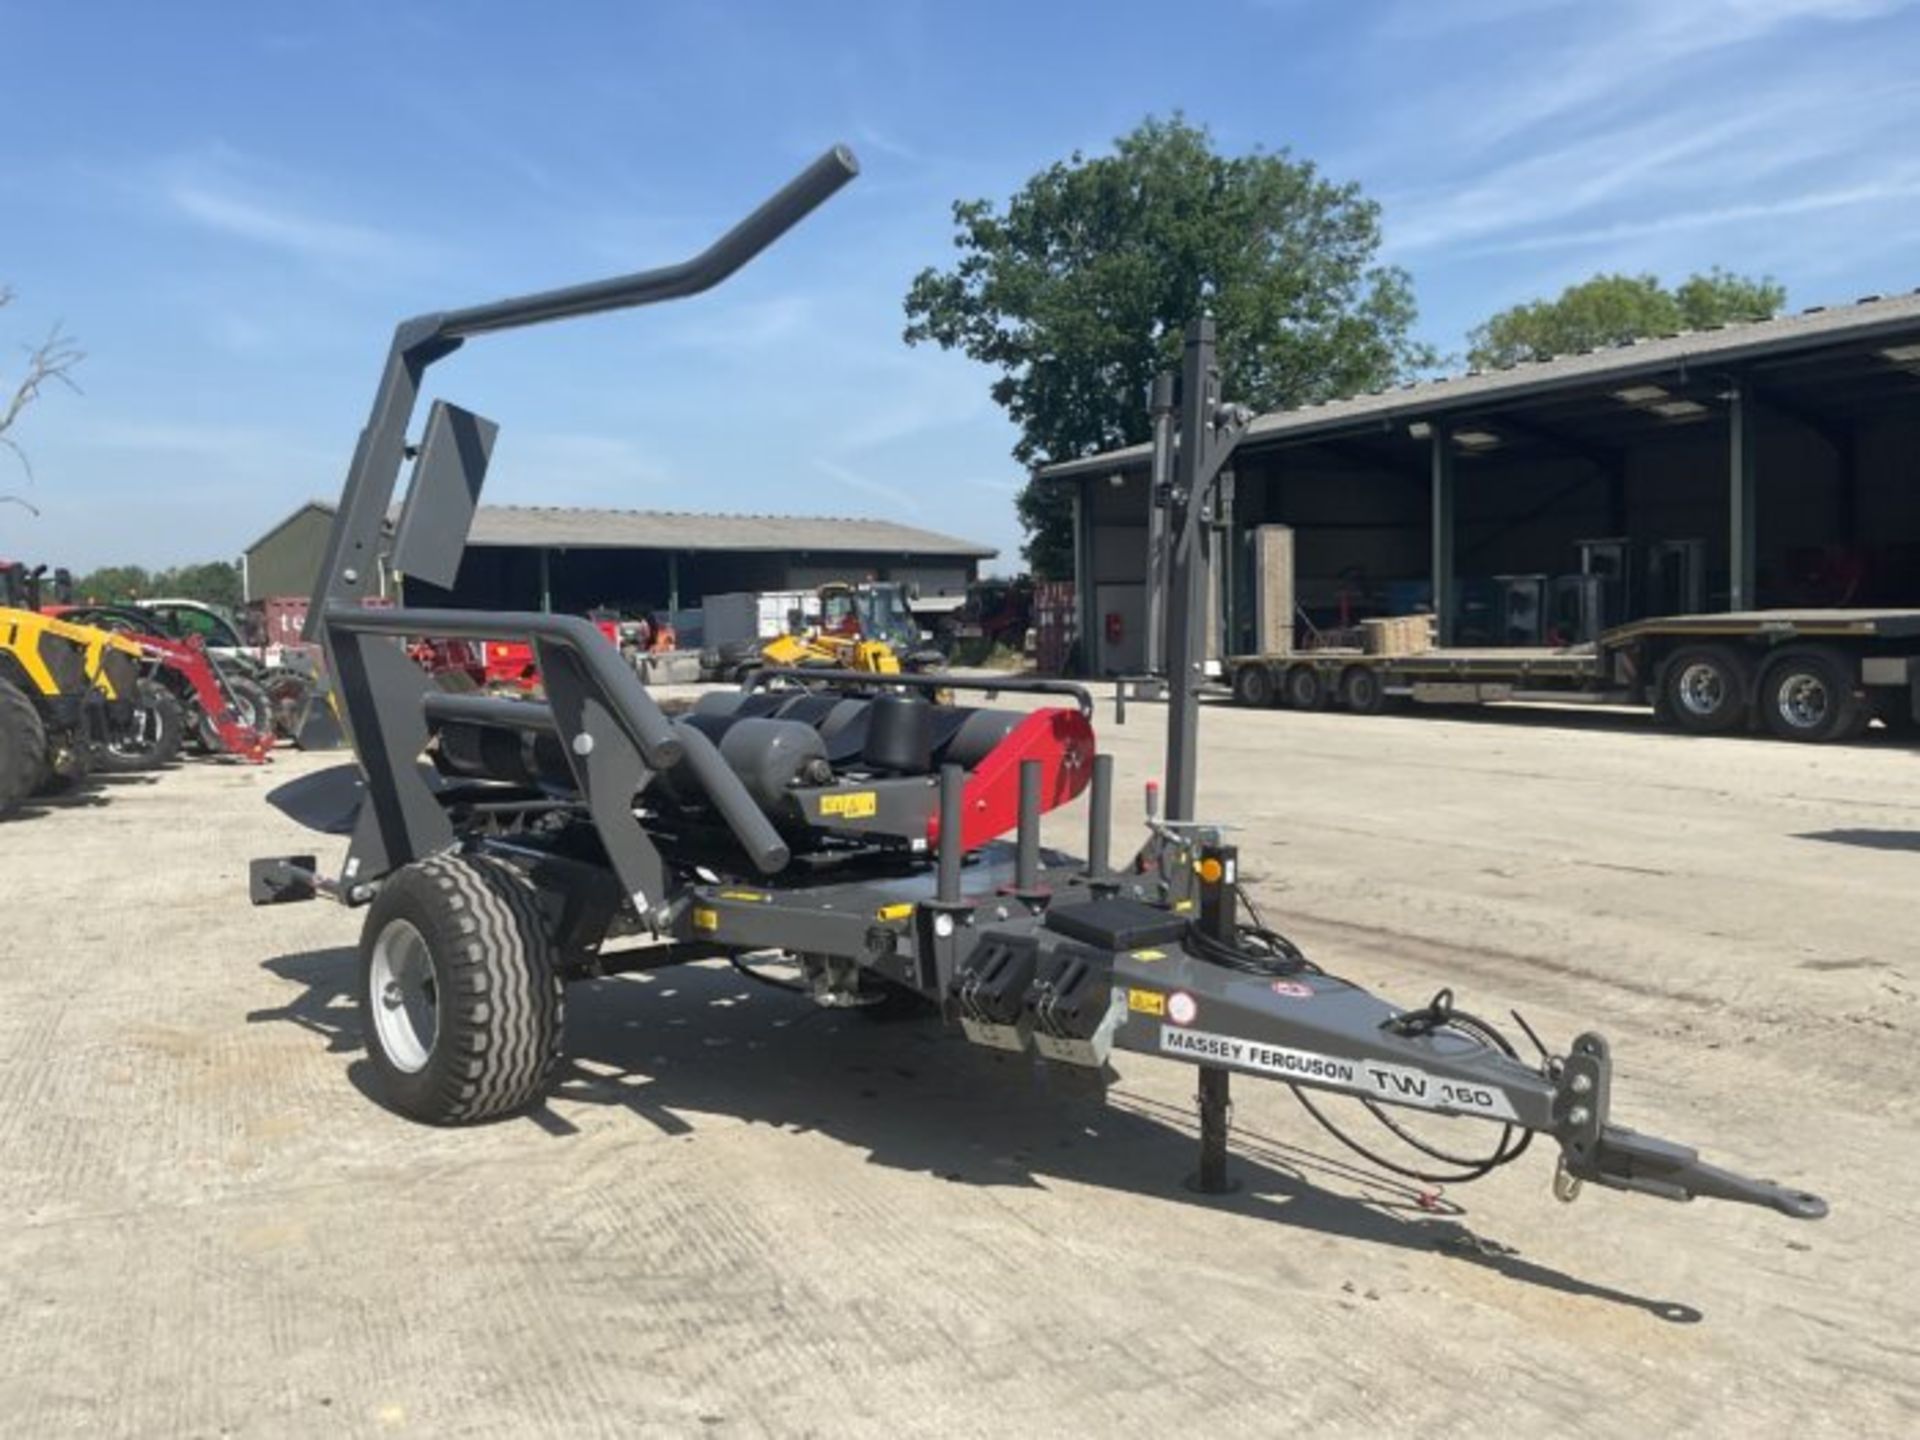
1211	871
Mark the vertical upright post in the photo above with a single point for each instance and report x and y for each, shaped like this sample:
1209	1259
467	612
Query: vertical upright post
1086	625
1741	465
1443	505
673	585
1217	868
1159	482
1026	864
1100	819
953	781
1187	571
546	583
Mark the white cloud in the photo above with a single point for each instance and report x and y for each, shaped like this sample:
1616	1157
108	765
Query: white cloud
891	495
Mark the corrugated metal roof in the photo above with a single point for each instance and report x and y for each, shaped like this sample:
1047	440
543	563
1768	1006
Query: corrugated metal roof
1872	317
563	527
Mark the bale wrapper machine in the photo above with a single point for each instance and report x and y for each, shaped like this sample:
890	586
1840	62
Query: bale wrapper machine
886	844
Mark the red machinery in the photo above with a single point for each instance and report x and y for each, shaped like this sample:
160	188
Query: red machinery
186	669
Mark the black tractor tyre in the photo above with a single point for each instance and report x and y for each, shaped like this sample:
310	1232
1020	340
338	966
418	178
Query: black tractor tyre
1363	691
1253	686
159	729
1304	689
23	747
456	946
1806	695
253	702
1704	689
287	690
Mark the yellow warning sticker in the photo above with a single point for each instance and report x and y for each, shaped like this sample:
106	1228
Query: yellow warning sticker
1149	955
758	897
705	918
1182	906
894	912
855	805
1147	1002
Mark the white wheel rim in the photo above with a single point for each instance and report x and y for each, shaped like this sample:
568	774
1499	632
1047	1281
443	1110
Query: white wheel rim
1702	688
401	998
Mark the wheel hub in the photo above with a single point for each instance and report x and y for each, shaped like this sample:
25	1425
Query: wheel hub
403	1004
1804	701
1702	689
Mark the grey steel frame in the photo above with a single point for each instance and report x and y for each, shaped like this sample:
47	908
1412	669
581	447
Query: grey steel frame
916	922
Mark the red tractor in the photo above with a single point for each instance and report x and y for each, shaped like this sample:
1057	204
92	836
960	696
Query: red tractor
227	714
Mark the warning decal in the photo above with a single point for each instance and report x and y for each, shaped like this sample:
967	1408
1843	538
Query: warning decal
855	805
1146	1002
1400	1084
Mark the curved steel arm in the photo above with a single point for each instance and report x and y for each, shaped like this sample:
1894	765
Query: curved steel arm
643	720
780	213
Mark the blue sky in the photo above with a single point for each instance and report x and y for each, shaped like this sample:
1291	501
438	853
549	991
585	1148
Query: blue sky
231	205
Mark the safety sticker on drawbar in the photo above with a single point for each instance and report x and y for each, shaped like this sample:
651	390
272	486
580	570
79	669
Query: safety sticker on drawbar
854	805
1181	1008
1292	989
1146	1002
1400	1084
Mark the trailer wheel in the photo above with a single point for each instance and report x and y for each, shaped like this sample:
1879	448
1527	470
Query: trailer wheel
1304	689
459	990
155	736
1253	686
1705	689
1806	695
1362	691
23	747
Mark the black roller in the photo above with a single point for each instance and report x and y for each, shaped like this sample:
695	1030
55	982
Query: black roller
899	734
977	736
808	708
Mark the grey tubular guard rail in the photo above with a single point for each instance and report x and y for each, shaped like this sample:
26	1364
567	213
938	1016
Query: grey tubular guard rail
989	684
645	723
698	756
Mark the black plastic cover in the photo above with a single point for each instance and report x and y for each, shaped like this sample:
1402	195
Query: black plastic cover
1117	924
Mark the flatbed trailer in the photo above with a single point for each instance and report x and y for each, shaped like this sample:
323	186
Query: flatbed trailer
1806	675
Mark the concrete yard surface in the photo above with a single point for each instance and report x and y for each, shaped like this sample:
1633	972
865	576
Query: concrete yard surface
742	1216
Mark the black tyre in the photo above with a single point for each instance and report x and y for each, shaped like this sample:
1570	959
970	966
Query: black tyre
459	990
1362	691
23	748
1253	686
287	690
253	703
153	738
1705	689
1303	688
1807	695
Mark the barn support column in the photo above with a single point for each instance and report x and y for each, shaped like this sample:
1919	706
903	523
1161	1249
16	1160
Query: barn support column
1443	508
1741	469
673	584
1087	623
546	582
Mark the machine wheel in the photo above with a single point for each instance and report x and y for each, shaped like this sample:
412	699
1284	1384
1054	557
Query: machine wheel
1362	691
1705	688
23	747
155	736
1806	695
1304	689
286	691
253	702
459	990
1253	686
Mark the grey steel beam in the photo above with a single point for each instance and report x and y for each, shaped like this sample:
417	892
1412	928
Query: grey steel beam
1441	565
1742	468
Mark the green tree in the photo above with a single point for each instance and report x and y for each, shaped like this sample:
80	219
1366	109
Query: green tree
216	581
1079	289
113	583
1613	309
